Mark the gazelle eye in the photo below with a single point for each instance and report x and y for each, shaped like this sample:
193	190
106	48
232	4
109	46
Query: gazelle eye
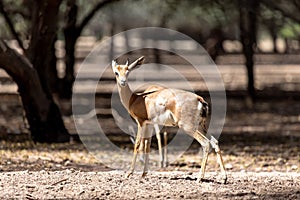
116	73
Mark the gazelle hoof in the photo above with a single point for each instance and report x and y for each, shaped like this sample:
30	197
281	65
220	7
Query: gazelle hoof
200	180
129	174
144	174
166	164
162	164
224	180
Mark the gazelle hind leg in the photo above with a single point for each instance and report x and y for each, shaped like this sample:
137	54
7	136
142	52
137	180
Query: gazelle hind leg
215	145
204	142
165	155
205	146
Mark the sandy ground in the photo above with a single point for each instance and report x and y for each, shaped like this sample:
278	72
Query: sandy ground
69	171
260	151
157	185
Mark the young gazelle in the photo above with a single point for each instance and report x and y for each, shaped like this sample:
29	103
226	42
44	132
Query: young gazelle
168	107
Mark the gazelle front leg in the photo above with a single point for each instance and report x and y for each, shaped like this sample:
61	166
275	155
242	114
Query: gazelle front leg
161	156
135	150
204	142
146	139
147	143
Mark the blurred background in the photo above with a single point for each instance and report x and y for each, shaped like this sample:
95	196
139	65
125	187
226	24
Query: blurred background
255	44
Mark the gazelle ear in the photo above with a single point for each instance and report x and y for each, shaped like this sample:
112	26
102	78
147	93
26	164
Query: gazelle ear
127	62
113	64
136	63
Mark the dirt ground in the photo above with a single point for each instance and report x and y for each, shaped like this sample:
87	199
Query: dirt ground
76	184
260	149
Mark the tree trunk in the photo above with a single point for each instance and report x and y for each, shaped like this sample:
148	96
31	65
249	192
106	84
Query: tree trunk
52	77
71	35
214	43
44	29
274	39
49	126
65	88
272	28
44	118
32	77
248	12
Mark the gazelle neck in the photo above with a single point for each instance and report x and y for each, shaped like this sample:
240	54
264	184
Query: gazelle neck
125	95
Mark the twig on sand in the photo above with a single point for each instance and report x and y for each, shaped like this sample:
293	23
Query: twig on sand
59	181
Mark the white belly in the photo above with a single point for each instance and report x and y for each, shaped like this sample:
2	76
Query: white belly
164	118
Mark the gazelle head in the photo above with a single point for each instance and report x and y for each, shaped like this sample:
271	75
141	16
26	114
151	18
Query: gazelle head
122	71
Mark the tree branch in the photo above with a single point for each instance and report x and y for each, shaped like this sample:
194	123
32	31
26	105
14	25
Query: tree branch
10	25
16	65
91	14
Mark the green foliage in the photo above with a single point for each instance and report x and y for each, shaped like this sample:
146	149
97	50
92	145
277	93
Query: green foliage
4	31
19	15
290	30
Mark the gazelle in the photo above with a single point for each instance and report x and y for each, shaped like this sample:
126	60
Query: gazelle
168	107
